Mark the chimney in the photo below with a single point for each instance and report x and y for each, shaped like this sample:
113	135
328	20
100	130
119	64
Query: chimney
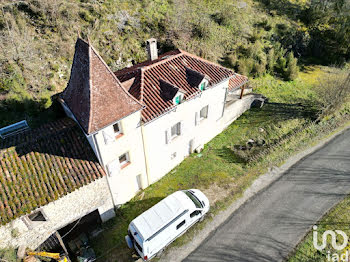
152	49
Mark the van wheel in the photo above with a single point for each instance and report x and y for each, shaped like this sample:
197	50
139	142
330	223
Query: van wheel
201	219
160	252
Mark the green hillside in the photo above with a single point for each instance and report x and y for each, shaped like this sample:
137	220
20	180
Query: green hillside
253	37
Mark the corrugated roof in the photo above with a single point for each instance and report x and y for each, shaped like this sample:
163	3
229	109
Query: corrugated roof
178	68
94	94
42	165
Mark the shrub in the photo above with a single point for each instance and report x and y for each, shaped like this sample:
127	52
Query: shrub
85	15
292	70
232	60
8	254
281	65
271	60
14	232
333	91
45	101
259	68
245	66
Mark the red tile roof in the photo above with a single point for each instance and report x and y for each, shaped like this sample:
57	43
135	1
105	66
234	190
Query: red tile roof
237	81
94	94
42	165
178	68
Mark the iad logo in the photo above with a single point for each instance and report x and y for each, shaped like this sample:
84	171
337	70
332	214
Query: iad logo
334	239
334	257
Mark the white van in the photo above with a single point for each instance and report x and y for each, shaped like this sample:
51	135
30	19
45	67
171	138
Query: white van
160	225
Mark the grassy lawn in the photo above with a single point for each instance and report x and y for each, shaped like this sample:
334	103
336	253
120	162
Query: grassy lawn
337	219
222	171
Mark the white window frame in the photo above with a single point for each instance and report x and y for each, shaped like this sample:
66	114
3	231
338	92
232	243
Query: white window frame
180	95
200	113
31	223
205	82
126	162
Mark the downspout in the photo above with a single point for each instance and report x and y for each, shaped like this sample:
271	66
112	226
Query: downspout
242	91
223	108
101	161
144	153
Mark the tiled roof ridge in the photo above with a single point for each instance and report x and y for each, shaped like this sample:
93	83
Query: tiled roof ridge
204	60
90	89
138	66
164	60
114	76
237	74
141	84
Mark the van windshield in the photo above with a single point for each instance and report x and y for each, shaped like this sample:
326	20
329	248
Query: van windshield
194	199
135	242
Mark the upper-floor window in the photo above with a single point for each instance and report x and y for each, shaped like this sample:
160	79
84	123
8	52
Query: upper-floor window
203	113
173	131
117	128
124	160
176	130
110	134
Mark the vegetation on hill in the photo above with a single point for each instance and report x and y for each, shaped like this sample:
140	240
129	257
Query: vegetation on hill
251	36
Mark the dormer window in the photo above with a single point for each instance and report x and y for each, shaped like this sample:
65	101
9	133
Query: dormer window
203	85
177	99
170	92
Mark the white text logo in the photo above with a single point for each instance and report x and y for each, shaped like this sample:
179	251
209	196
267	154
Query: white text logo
333	237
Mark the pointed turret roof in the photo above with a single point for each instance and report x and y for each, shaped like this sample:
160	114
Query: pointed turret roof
94	94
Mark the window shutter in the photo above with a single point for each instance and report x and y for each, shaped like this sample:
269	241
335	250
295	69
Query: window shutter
108	136
113	167
181	128
207	113
167	136
196	119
